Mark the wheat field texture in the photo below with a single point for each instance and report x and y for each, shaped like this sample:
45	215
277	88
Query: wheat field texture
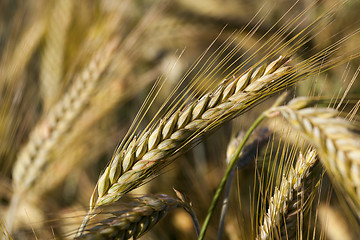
178	119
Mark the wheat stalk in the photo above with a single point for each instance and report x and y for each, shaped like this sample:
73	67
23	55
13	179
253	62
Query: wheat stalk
283	195
337	140
145	212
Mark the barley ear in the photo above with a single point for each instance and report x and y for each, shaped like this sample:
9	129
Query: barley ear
279	202
145	212
337	141
155	147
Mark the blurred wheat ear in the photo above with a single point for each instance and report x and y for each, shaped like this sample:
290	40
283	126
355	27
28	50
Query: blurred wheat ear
34	156
61	113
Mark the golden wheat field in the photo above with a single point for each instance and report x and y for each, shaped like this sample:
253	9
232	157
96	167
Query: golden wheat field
179	119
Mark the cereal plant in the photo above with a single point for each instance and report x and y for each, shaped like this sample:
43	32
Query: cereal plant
177	119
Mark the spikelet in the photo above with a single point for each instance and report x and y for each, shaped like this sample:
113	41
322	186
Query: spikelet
290	226
250	150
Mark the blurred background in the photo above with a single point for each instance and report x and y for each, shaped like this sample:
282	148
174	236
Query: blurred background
45	45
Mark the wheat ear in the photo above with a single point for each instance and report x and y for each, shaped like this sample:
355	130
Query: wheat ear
283	195
146	211
337	140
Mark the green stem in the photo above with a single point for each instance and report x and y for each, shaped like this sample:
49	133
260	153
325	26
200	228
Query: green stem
226	175
231	166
